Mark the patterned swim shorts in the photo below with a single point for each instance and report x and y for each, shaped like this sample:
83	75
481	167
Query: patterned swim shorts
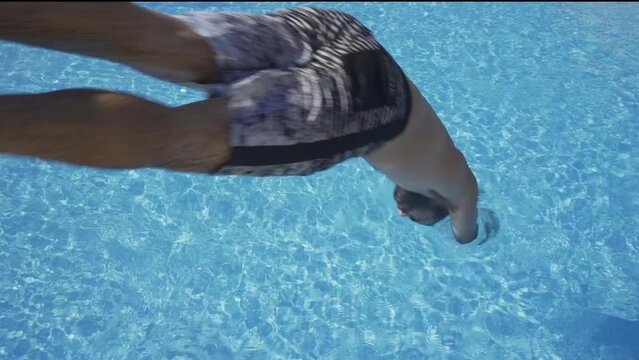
307	88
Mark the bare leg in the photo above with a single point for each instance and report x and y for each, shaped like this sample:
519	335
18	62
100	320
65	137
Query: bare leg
114	130
154	43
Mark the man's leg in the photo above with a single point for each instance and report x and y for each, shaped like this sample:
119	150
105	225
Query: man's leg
154	43
114	130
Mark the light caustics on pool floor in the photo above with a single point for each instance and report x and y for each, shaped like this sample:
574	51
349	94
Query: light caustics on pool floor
146	264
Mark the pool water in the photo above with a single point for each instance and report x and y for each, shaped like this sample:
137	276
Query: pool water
542	98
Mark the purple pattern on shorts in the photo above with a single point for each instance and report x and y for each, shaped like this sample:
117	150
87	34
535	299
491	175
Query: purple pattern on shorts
284	76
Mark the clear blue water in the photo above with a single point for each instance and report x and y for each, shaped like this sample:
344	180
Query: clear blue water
542	99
